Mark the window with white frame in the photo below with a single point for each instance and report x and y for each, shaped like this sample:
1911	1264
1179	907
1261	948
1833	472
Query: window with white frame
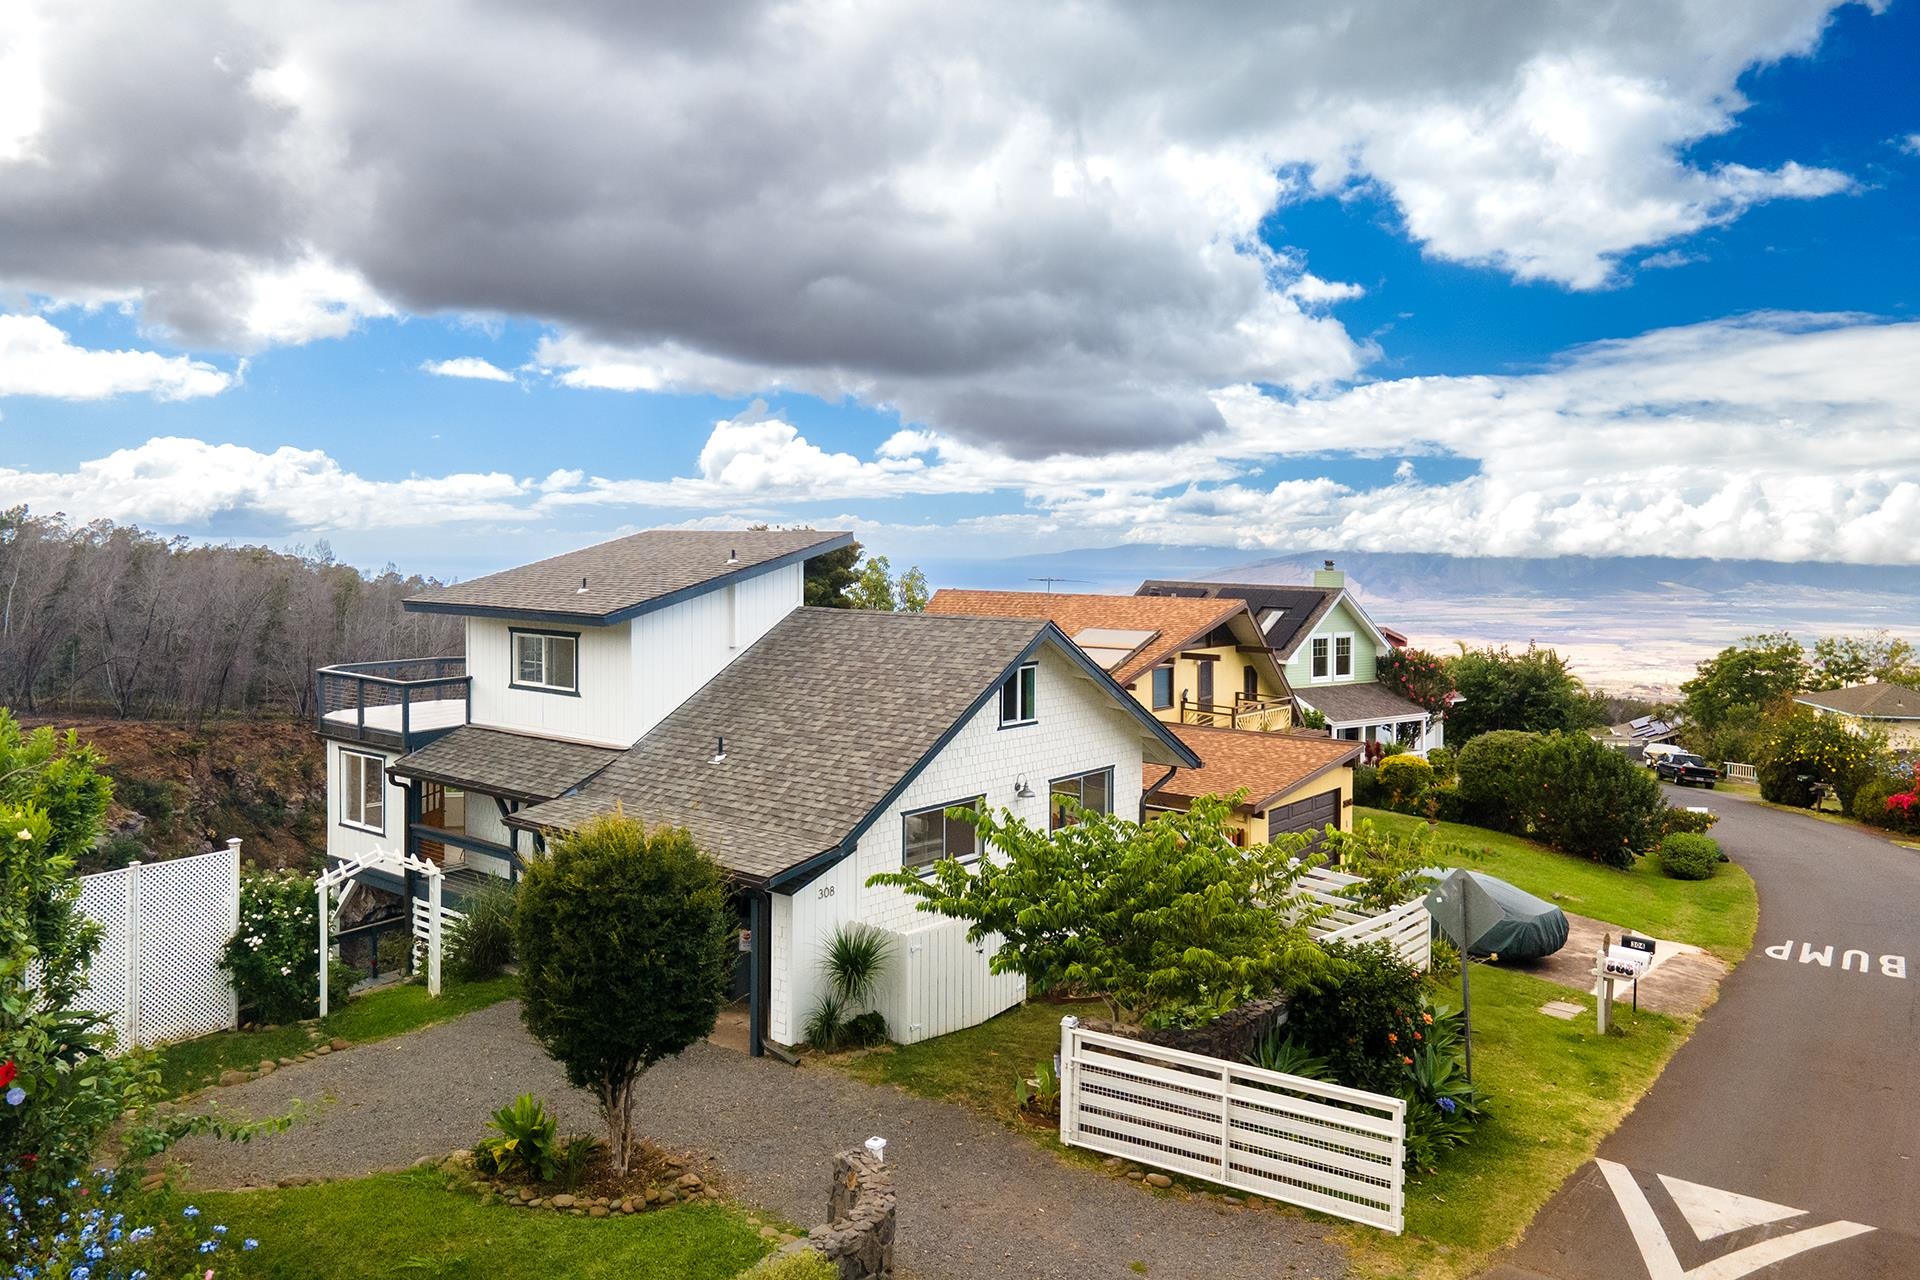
1321	648
1018	703
1162	688
1091	791
363	792
1342	657
546	660
933	834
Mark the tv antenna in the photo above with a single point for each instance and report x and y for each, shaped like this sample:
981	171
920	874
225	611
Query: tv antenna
1084	582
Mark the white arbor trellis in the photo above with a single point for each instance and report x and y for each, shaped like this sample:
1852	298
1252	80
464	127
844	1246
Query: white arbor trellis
394	864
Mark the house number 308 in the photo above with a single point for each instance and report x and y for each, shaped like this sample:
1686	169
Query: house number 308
826	890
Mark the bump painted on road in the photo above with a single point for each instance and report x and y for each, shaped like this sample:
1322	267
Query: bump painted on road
1852	959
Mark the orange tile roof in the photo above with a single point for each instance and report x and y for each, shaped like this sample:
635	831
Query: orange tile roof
1268	765
1175	621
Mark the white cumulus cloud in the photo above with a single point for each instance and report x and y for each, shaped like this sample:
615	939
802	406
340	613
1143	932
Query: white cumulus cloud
467	367
37	358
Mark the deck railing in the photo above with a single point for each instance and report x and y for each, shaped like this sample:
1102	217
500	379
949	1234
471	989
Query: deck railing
1243	712
402	703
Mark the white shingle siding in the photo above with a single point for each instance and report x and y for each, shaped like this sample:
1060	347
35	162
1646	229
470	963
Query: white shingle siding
1080	728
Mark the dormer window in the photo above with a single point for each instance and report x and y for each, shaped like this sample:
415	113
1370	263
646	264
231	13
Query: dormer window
1017	697
546	660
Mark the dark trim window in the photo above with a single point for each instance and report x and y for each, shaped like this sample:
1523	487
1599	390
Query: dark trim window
548	661
1091	791
1321	650
1018	703
1342	657
931	834
1249	682
1162	688
363	792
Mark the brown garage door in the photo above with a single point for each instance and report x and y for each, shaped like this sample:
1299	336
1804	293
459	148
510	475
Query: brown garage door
1312	814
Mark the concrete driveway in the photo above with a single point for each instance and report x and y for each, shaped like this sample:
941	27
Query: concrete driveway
1784	1138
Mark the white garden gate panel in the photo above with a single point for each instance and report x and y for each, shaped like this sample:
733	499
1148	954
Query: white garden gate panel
164	926
1321	1146
1407	928
936	981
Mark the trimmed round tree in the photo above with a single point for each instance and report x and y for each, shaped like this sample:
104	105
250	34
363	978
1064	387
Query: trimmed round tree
626	946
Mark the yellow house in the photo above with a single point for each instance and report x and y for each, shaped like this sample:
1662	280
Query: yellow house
1292	781
1188	661
1892	708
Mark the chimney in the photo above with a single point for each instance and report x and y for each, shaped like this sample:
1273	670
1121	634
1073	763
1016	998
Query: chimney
1329	577
581	589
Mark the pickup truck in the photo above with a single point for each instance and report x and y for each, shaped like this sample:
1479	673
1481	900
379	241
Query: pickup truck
1686	770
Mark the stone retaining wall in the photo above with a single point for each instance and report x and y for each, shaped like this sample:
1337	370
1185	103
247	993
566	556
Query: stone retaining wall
858	1234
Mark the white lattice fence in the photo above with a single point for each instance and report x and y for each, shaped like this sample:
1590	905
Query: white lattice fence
164	924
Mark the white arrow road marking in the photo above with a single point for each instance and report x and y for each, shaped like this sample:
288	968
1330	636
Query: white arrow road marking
1712	1212
1657	1251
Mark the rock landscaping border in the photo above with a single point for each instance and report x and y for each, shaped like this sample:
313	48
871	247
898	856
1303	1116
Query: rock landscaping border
1233	1035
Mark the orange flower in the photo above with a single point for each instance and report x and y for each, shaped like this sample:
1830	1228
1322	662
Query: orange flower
1408	1061
1392	1038
1427	1018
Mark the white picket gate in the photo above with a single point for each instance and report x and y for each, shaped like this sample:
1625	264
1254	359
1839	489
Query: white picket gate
1321	1146
1740	772
936	981
164	926
1407	928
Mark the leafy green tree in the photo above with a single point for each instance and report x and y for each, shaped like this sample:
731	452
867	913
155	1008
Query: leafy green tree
1168	921
1589	799
1839	661
626	946
1753	674
1416	675
1535	691
828	576
1799	748
873	588
914	592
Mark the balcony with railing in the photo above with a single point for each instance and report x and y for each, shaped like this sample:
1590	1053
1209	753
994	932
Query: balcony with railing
1244	712
399	705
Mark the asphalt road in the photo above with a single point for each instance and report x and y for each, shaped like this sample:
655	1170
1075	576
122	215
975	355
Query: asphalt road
1794	1111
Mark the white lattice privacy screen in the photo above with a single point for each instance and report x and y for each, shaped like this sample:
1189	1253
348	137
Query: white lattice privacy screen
158	971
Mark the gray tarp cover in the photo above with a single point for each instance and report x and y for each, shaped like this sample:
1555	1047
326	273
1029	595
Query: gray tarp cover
1505	920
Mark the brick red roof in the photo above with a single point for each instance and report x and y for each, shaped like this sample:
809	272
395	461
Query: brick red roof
1267	765
1175	622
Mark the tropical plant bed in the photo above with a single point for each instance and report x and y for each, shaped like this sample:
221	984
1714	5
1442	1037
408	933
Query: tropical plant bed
408	1223
1718	914
655	1179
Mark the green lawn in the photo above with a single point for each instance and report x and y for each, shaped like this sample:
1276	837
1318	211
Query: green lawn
976	1067
409	1224
389	1011
1718	914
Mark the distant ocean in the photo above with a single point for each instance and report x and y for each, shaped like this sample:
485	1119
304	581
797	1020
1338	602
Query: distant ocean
1630	625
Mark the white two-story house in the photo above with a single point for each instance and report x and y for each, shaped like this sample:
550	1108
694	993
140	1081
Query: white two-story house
675	675
1328	647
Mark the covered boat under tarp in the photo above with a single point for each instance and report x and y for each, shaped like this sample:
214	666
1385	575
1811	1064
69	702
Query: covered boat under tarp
1501	919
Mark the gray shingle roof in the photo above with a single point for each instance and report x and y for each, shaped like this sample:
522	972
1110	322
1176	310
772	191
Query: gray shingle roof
514	766
629	575
1298	608
1879	701
823	718
1344	703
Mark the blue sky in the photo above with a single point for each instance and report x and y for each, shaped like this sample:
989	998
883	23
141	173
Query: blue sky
1345	290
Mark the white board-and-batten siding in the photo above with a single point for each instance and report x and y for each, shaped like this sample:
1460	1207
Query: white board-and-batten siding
935	980
344	841
633	674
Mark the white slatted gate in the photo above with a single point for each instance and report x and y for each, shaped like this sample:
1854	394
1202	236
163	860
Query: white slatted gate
1322	1146
164	926
1407	928
936	981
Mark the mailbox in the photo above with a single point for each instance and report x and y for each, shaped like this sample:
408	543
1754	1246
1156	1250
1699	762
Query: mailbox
1626	962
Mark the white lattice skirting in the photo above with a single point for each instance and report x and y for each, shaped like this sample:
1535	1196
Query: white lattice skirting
157	973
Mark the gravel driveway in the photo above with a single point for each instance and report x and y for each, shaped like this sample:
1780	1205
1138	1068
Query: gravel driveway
977	1202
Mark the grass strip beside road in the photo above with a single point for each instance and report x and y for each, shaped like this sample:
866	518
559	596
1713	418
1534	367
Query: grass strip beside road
1719	915
410	1224
388	1011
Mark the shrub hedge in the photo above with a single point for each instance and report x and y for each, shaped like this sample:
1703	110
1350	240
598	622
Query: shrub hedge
1689	857
1890	803
1565	790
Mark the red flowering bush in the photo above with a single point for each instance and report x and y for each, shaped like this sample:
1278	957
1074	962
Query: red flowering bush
1416	675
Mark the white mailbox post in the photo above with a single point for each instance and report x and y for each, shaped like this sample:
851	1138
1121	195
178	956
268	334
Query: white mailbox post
1626	961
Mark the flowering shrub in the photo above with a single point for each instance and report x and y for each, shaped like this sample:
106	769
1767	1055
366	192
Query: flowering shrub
1416	675
1890	803
1405	779
274	955
1800	749
103	1230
